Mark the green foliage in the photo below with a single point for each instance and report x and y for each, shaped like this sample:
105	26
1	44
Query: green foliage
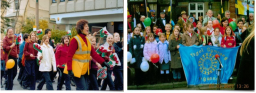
28	26
4	20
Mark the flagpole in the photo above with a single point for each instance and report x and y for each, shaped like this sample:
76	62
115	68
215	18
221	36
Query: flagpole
146	8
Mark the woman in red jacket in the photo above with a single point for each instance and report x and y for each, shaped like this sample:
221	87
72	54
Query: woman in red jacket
30	60
228	40
224	24
61	55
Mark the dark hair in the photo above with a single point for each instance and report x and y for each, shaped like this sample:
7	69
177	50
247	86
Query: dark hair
46	31
240	20
25	36
222	20
80	25
63	38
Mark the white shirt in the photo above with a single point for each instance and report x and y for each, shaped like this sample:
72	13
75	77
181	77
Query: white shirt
164	21
239	30
211	30
48	60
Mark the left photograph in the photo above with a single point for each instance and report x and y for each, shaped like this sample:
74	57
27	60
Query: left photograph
62	45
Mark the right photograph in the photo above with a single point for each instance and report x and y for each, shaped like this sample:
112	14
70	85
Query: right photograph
190	45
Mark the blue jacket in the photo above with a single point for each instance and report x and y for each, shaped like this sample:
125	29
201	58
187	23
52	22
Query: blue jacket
21	49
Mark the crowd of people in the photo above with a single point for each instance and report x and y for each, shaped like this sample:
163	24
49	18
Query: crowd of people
76	56
163	38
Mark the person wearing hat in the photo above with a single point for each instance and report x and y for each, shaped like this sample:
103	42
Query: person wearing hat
182	20
209	17
162	21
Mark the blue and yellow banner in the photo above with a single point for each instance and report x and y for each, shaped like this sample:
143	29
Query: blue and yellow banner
200	65
242	7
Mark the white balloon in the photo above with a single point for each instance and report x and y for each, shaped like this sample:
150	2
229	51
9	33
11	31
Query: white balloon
144	66
129	57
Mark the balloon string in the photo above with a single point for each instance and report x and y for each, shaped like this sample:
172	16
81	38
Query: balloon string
155	65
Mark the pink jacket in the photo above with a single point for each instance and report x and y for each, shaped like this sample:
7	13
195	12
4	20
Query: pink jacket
149	49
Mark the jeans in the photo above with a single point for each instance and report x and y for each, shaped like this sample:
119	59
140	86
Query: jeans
64	77
11	73
45	78
118	79
108	81
30	70
82	83
93	80
176	74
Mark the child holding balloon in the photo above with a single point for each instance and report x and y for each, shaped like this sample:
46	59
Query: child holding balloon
150	49
174	49
228	40
165	56
136	46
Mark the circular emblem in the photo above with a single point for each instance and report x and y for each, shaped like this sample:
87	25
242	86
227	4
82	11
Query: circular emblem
207	64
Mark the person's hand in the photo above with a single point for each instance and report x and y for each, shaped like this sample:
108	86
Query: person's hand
204	44
13	44
178	46
58	65
55	71
99	66
31	55
94	34
18	55
224	46
97	45
240	44
41	57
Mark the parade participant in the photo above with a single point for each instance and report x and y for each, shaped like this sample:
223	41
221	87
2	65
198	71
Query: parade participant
198	27
200	18
162	21
147	31
227	15
118	70
3	54
26	38
209	17
224	24
228	40
76	62
48	62
168	32
219	17
93	68
238	32
216	38
204	39
30	61
110	50
176	27
136	45
245	76
61	55
182	20
192	20
189	37
154	32
174	49
210	29
140	29
165	57
150	48
12	51
143	26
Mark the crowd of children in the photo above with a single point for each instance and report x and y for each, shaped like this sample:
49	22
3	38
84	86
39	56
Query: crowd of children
41	61
165	42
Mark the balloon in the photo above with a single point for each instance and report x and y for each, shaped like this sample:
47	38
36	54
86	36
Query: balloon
233	25
10	64
147	21
144	66
133	61
129	57
215	24
158	30
154	58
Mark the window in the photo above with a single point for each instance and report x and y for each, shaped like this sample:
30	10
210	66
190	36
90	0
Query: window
135	0
70	0
17	6
53	1
62	0
196	8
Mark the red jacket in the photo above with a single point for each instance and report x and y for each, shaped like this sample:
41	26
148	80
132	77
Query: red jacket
228	41
3	55
7	42
230	20
73	47
61	55
222	30
28	49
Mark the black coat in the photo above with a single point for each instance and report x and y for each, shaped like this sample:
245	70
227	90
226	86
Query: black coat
245	76
238	37
142	26
160	24
119	51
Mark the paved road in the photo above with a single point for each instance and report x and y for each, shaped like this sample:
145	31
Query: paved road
16	85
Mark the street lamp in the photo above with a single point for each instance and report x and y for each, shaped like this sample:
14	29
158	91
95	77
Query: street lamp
210	5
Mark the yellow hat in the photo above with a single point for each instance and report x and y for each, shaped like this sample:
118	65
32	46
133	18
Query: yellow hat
183	12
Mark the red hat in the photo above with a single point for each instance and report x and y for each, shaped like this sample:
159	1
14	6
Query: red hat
129	16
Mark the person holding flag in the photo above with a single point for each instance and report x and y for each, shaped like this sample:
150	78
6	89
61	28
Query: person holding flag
11	47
